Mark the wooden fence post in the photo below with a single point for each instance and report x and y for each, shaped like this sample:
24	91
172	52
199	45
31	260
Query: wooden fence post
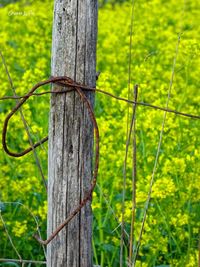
71	133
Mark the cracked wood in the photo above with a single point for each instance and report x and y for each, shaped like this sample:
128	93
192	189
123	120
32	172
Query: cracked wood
71	133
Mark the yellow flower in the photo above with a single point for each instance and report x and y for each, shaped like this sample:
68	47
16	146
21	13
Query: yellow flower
163	188
19	228
42	211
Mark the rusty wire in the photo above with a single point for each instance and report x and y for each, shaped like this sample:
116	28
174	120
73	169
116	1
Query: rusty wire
71	85
87	88
62	81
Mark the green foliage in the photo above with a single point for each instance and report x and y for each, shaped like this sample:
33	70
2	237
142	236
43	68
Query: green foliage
171	231
6	2
113	2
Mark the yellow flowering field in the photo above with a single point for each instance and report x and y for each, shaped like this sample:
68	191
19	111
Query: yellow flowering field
164	54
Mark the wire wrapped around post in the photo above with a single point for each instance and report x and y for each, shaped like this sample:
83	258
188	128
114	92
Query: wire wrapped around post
63	81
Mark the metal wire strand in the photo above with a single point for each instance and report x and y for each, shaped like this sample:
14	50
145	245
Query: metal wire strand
71	86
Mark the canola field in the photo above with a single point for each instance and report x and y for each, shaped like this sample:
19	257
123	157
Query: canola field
165	54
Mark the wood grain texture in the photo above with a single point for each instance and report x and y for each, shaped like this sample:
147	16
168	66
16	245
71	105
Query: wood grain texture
71	133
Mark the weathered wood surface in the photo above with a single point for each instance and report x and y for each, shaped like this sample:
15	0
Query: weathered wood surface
71	133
